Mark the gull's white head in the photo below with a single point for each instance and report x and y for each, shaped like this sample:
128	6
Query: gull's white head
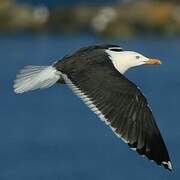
123	60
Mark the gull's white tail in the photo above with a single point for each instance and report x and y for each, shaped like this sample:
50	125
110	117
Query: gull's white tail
35	77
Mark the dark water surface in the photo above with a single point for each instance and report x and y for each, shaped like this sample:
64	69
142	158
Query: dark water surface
55	3
52	135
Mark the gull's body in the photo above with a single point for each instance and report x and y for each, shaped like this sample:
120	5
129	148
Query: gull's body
95	74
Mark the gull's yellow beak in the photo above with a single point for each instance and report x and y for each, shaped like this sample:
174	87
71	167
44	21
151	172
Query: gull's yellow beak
153	61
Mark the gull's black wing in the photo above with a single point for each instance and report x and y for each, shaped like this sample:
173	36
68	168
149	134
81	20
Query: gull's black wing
119	103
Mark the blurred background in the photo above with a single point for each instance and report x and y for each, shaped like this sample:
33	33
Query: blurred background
110	18
51	134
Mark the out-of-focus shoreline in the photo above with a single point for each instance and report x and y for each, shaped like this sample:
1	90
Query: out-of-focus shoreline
120	20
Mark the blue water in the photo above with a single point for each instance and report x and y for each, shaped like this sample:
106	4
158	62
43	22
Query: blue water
55	3
51	134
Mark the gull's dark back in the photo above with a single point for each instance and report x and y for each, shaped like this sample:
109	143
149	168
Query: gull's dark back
86	56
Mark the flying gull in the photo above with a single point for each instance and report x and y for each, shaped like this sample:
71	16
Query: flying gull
96	75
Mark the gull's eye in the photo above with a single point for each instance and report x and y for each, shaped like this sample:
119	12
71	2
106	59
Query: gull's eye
137	57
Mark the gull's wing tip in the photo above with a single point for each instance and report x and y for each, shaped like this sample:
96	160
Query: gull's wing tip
167	165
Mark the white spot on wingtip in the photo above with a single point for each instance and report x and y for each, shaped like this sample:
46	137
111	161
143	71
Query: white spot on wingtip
168	163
